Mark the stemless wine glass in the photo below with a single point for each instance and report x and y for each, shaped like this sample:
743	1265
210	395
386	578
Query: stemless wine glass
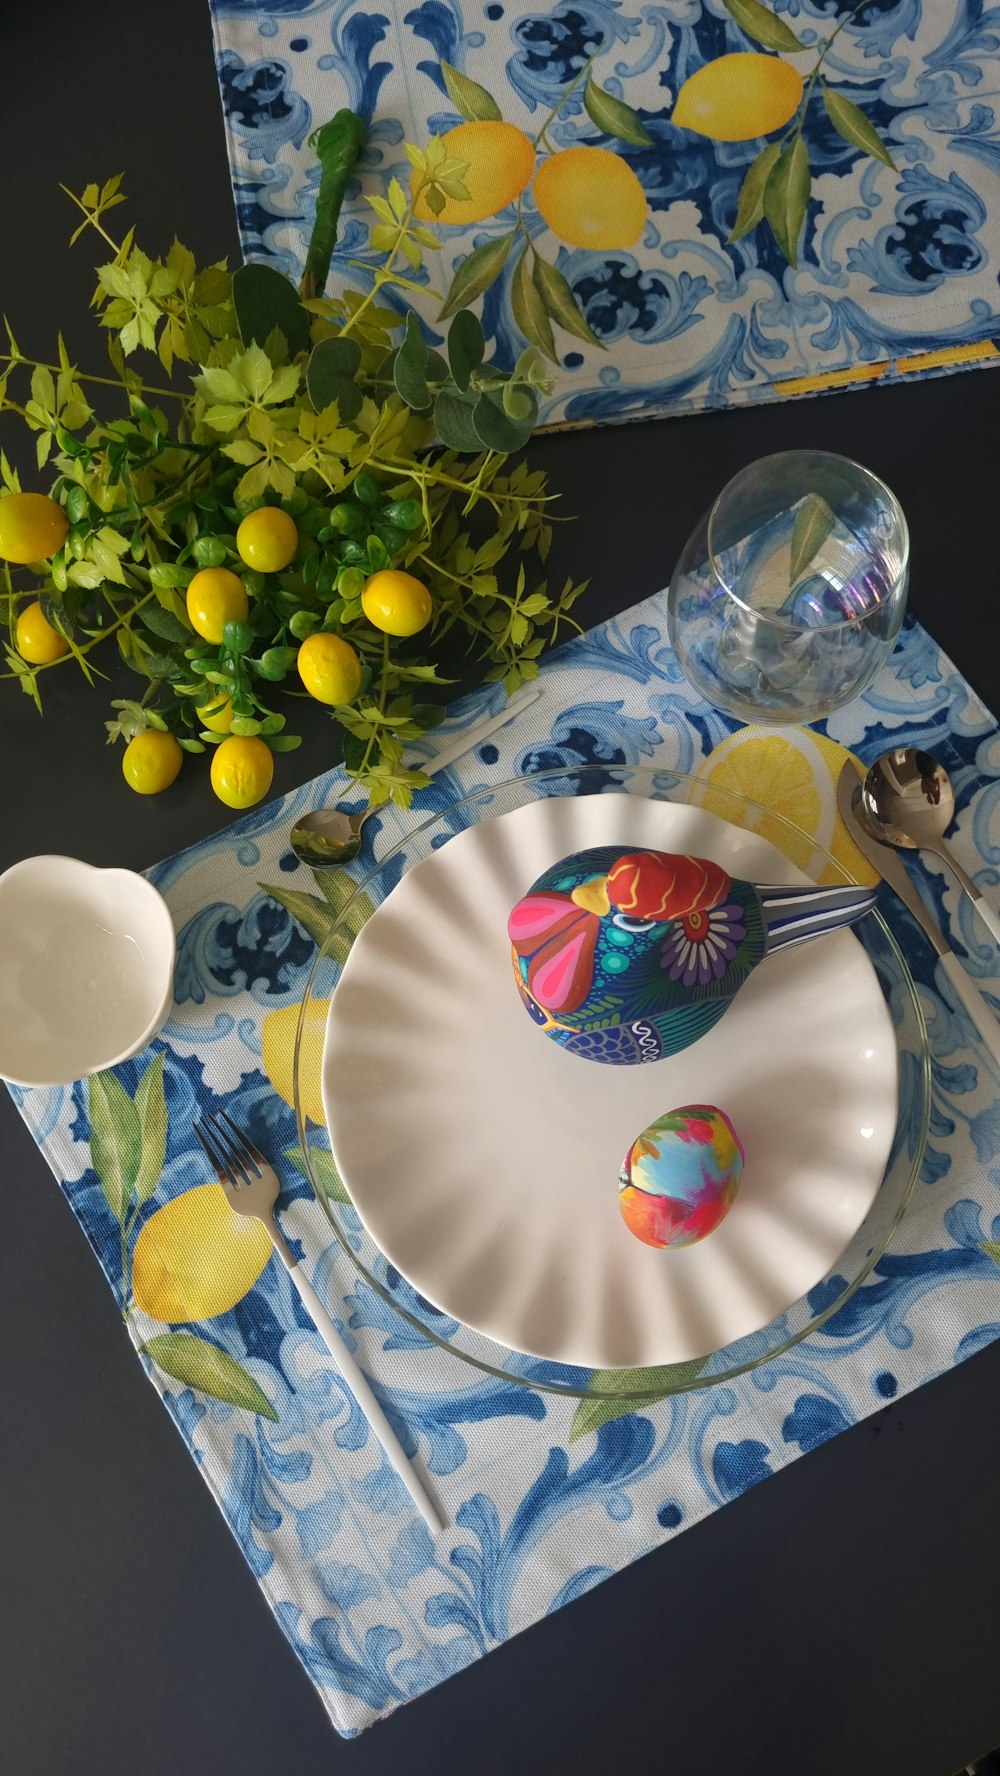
790	592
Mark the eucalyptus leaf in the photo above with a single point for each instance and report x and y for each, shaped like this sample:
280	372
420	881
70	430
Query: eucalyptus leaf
750	210
529	309
332	364
115	1141
614	117
453	421
409	372
786	197
813	524
662	1381
560	303
151	1106
496	429
263	299
197	1364
763	26
466	347
853	125
164	624
471	101
476	273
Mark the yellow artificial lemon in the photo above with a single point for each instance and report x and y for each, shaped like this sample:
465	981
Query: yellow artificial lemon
329	668
267	539
396	602
215	597
242	768
216	717
500	160
794	773
278	1051
590	198
196	1257
739	97
36	640
151	761
32	527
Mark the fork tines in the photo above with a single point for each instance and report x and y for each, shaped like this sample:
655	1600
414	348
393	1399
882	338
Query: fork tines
234	1159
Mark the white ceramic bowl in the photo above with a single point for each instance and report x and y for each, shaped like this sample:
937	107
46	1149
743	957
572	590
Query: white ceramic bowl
86	969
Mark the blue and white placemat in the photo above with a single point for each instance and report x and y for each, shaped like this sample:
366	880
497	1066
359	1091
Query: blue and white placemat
667	288
377	1610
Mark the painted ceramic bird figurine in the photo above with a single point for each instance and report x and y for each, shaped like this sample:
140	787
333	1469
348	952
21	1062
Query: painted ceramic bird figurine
628	956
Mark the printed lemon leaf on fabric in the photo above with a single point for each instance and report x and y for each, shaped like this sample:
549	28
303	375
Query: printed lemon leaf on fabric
853	125
631	1385
991	1248
560	303
198	1364
115	1141
466	347
475	274
750	210
473	102
529	309
312	913
786	197
453	421
763	26
263	300
333	364
324	1171
151	1107
614	117
813	524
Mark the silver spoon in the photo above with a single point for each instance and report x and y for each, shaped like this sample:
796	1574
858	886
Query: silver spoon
330	837
908	801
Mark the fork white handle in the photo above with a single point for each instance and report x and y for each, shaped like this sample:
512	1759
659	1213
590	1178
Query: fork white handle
395	1454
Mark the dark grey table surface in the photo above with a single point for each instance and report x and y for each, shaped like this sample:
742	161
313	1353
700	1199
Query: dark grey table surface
840	1620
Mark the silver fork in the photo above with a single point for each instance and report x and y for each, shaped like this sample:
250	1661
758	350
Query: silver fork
252	1187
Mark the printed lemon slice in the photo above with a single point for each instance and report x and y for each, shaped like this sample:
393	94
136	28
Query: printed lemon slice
794	773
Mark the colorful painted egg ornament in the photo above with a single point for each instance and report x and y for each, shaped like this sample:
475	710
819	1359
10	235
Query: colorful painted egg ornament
627	956
680	1176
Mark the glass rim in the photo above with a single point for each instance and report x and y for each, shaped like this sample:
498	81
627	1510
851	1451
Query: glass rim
656	1390
831	456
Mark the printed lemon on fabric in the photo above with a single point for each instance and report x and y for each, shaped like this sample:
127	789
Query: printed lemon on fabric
500	160
794	774
590	198
196	1258
739	97
277	1039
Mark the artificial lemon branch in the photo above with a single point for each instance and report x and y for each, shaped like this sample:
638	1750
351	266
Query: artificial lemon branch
269	533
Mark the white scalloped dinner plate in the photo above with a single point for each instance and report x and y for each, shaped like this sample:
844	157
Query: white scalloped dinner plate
484	1159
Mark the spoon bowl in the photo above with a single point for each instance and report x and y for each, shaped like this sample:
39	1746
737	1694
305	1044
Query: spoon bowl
907	800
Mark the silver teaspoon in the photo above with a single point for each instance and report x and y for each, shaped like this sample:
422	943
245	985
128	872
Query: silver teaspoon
331	837
909	802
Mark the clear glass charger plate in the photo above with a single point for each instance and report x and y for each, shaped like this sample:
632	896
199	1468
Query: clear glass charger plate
474	1348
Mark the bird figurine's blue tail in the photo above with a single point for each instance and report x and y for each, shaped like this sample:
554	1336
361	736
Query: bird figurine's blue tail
791	915
629	956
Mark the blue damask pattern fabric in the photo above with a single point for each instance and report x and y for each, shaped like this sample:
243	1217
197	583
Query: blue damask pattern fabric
376	1608
899	247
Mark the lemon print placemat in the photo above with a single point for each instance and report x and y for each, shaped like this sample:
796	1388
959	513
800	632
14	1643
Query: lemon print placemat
682	206
544	1496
